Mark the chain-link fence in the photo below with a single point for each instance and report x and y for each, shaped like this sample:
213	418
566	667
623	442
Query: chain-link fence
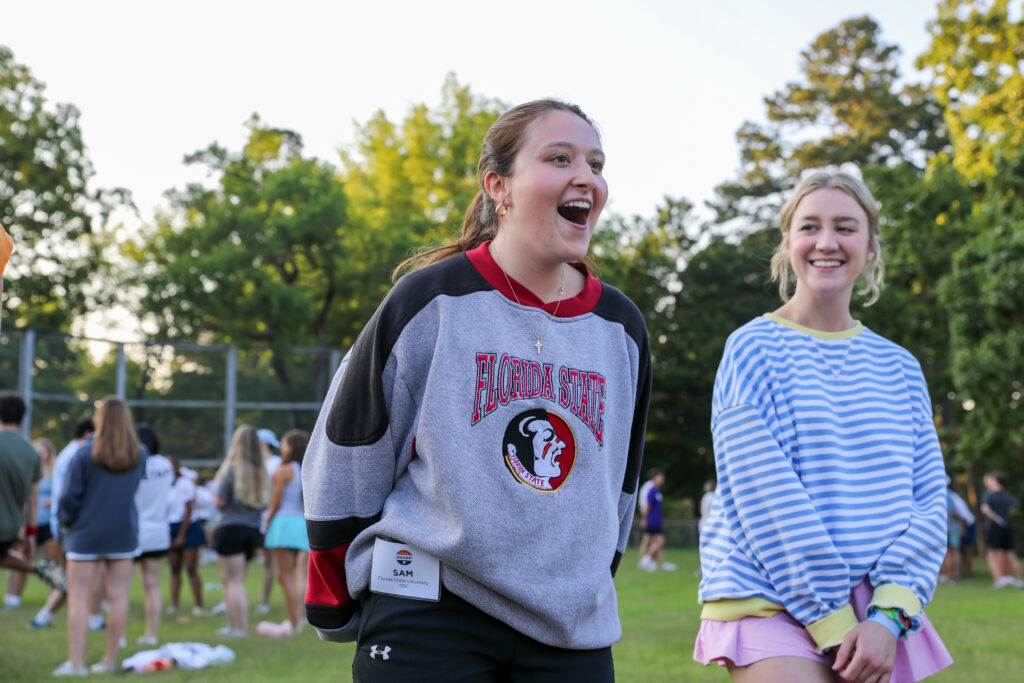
194	395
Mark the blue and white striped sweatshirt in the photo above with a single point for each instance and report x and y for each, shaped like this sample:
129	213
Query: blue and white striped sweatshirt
829	472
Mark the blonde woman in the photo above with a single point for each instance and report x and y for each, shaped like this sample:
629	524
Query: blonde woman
243	490
101	531
825	544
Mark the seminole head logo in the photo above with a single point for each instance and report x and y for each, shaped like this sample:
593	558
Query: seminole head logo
539	449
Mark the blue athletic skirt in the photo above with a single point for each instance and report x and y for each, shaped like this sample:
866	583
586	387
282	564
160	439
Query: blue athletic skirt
287	531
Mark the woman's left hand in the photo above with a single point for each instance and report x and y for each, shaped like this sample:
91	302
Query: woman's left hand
866	654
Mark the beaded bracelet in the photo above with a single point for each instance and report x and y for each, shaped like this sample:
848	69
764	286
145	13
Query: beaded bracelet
897	615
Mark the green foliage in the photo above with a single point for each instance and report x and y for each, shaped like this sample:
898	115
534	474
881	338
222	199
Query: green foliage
985	296
950	200
259	258
45	202
849	107
409	184
254	259
977	60
921	227
694	288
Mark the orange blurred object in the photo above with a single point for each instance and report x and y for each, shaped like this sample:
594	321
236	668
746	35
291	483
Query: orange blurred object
6	247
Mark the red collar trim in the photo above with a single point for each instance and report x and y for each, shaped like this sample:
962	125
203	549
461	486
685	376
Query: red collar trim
582	303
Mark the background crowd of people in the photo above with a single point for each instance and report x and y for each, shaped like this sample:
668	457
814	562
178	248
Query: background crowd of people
110	501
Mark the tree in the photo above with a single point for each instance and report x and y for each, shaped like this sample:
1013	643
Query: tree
922	226
45	202
284	250
694	287
409	185
258	259
975	57
985	295
850	107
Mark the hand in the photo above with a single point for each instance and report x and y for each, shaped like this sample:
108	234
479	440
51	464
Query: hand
866	654
177	543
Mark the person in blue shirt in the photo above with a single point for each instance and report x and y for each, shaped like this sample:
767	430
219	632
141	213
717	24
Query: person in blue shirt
100	522
652	523
825	545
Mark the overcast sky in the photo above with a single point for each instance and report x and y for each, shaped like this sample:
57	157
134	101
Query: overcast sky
668	81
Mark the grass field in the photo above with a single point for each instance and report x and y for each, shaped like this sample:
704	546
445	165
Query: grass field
983	628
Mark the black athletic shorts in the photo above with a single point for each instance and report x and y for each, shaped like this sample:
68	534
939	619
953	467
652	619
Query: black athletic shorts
152	555
998	537
235	539
450	640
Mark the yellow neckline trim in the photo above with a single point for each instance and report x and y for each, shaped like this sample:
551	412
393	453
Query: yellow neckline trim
844	334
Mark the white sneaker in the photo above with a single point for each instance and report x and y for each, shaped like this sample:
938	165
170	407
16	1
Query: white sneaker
668	567
11	601
219	608
648	564
228	632
197	611
148	640
65	669
262	608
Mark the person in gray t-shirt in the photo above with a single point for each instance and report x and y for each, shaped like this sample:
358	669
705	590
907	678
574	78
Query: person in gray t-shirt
243	490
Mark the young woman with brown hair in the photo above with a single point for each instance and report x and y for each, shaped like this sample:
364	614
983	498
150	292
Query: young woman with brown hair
286	532
488	420
97	512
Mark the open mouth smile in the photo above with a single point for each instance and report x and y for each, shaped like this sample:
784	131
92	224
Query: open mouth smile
576	212
826	263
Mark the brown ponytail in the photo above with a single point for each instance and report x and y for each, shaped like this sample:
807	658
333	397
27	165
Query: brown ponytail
498	153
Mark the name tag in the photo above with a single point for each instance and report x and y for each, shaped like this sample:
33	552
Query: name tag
404	571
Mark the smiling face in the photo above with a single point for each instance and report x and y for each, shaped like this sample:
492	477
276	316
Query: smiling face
556	190
828	244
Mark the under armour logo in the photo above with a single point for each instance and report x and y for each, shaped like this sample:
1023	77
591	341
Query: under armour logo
383	653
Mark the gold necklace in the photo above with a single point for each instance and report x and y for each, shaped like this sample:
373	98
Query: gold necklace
522	309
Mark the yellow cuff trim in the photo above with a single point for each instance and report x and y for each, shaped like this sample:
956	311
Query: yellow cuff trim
830	631
734	610
894	595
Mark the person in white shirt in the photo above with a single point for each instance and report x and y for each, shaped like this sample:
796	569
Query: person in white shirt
641	504
152	499
268	441
187	538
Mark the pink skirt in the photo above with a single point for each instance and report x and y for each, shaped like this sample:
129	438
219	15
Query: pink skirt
752	639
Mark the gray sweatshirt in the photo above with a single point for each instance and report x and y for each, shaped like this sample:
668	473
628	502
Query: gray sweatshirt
445	429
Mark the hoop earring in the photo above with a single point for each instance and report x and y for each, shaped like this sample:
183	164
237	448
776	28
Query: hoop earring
501	210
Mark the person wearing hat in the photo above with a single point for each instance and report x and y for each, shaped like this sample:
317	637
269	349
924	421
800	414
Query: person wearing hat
268	442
